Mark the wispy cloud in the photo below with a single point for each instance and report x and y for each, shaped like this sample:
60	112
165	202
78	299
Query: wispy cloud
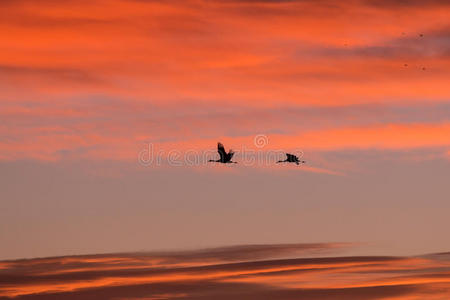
222	273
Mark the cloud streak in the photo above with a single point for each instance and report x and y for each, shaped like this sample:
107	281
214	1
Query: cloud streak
227	272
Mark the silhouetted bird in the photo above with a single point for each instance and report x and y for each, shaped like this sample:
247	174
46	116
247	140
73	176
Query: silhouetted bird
291	158
225	158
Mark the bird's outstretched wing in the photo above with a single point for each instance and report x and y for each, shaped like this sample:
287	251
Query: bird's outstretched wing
221	151
230	154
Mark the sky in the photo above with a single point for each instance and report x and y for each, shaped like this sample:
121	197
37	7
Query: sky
109	111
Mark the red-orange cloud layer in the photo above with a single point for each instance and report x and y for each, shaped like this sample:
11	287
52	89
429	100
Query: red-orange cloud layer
96	78
230	272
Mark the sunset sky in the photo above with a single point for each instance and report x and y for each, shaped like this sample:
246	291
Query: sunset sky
109	110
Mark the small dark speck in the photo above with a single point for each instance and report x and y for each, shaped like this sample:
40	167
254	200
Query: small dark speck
424	68
421	35
405	65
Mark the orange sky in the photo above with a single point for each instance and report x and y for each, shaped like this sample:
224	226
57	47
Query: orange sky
101	99
103	75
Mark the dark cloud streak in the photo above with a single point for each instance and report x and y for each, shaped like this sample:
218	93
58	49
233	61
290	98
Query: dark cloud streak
213	274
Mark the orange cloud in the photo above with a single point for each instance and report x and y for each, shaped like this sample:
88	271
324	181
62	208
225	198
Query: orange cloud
210	273
264	52
92	70
55	143
385	137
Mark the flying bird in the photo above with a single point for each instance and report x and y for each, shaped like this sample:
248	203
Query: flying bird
292	158
225	157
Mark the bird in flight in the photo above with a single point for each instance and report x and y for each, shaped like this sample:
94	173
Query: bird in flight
225	158
292	158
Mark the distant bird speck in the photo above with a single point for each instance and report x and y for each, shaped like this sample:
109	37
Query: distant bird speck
405	65
421	35
423	68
